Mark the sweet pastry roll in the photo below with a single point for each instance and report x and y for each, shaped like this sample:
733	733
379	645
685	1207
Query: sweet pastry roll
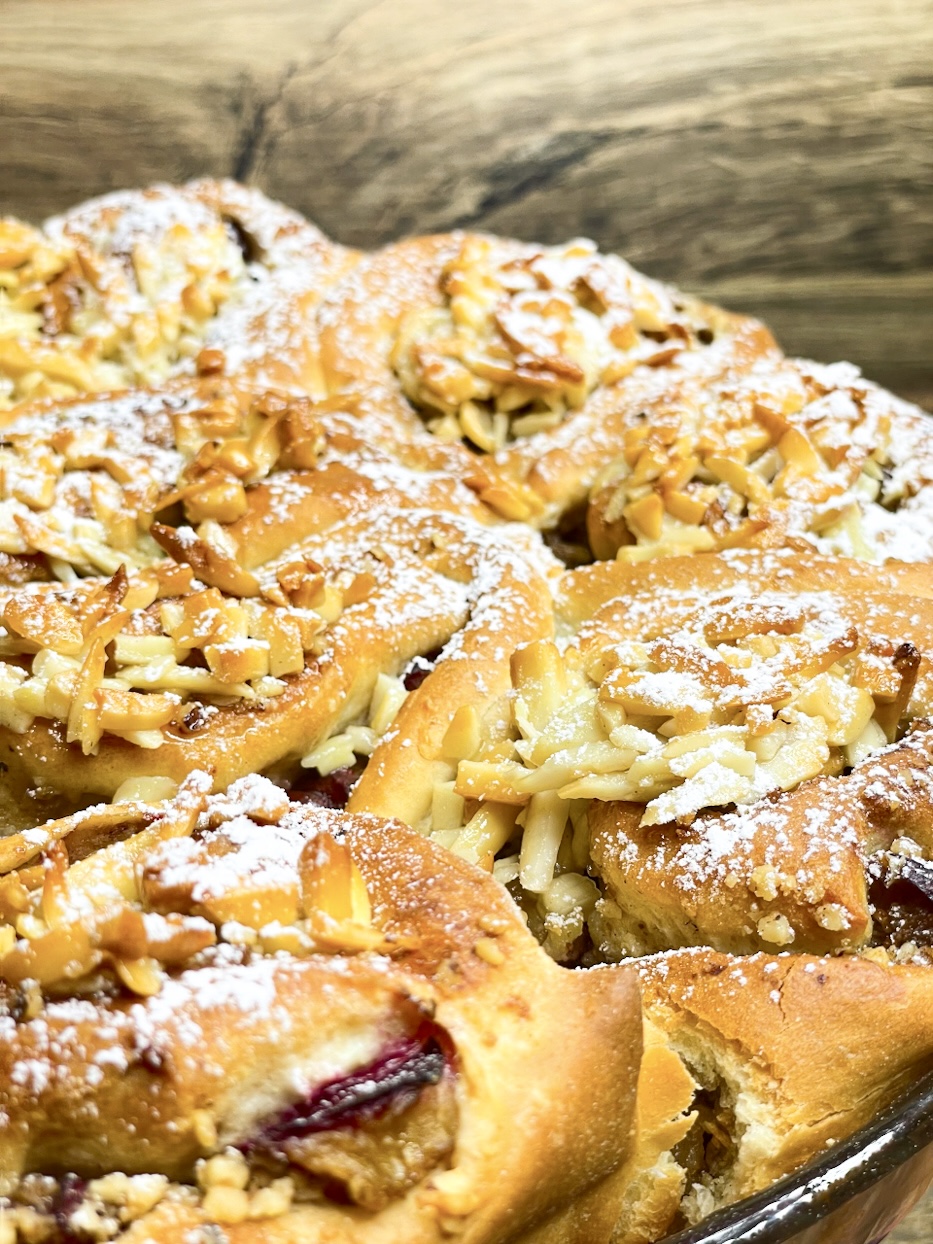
795	870
655	1182
519	352
667	590
789	1054
143	285
198	662
705	765
236	1013
780	451
455	699
83	479
328	469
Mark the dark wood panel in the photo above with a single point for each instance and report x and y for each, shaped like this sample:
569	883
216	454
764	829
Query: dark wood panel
729	129
885	325
708	142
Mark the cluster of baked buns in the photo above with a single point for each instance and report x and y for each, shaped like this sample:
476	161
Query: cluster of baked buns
466	767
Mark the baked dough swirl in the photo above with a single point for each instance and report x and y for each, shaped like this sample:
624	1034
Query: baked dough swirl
232	1010
520	352
783	451
725	753
739	1084
143	285
198	662
82	480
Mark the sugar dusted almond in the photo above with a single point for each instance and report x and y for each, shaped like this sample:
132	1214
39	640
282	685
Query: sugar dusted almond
83	724
685	507
739	477
59	954
209	564
218	496
142	976
361	587
539	677
45	621
331	882
210	361
463	735
238	660
645	516
174	939
510	502
496	781
105	600
132	710
302	582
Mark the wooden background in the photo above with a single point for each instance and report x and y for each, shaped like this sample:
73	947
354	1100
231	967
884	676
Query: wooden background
774	154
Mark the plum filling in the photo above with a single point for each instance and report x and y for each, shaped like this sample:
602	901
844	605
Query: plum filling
327	791
49	1205
248	246
333	790
707	1152
370	1135
419	669
569	541
708	1147
901	897
405	1069
70	1194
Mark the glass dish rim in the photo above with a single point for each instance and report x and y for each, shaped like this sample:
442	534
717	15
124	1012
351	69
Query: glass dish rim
778	1213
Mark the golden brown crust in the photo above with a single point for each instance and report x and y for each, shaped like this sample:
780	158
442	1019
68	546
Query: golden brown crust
675	582
287	555
134	1064
408	583
729	744
533	1046
776	452
83	479
141	286
263	335
472	679
760	1026
790	866
654	1181
732	879
459	332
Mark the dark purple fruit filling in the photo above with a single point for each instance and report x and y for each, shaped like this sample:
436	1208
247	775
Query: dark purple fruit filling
333	790
919	874
901	898
569	541
249	247
418	670
70	1194
57	1199
394	1079
330	791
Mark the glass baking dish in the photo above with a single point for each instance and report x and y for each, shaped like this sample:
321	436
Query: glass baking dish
856	1194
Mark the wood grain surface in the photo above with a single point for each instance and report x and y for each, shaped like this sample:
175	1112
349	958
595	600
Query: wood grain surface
776	154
